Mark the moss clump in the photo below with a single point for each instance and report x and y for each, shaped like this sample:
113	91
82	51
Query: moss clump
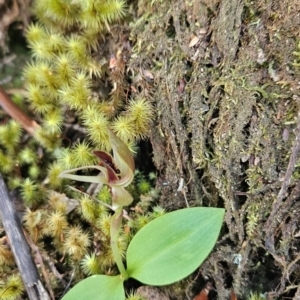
76	88
13	288
66	70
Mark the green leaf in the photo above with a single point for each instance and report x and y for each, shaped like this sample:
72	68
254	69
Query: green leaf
172	246
98	287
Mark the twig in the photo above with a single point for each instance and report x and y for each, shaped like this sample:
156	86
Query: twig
291	165
39	259
70	281
53	268
16	113
19	247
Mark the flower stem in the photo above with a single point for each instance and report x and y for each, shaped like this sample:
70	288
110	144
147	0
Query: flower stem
114	232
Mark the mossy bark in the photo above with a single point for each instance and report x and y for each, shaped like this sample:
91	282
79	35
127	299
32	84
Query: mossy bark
226	91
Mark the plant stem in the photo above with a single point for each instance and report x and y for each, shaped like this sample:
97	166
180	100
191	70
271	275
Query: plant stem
114	232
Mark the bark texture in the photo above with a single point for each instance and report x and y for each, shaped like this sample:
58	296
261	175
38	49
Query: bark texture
226	91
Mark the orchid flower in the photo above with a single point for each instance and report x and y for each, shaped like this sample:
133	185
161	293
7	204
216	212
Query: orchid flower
117	171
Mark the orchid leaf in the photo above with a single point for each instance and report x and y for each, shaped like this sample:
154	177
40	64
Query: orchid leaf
172	246
97	287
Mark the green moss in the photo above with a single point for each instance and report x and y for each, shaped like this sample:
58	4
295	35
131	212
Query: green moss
13	288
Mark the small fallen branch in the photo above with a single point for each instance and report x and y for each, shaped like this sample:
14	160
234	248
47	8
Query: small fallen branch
17	114
39	260
13	229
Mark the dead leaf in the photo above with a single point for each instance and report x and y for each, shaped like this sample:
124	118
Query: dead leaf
113	62
202	295
181	86
204	292
233	296
148	74
194	41
256	161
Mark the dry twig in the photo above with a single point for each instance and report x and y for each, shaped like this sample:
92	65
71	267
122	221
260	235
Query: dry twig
16	113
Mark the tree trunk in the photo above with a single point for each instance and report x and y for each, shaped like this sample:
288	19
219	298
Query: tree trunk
227	99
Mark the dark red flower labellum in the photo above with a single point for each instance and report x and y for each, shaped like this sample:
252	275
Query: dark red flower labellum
107	162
